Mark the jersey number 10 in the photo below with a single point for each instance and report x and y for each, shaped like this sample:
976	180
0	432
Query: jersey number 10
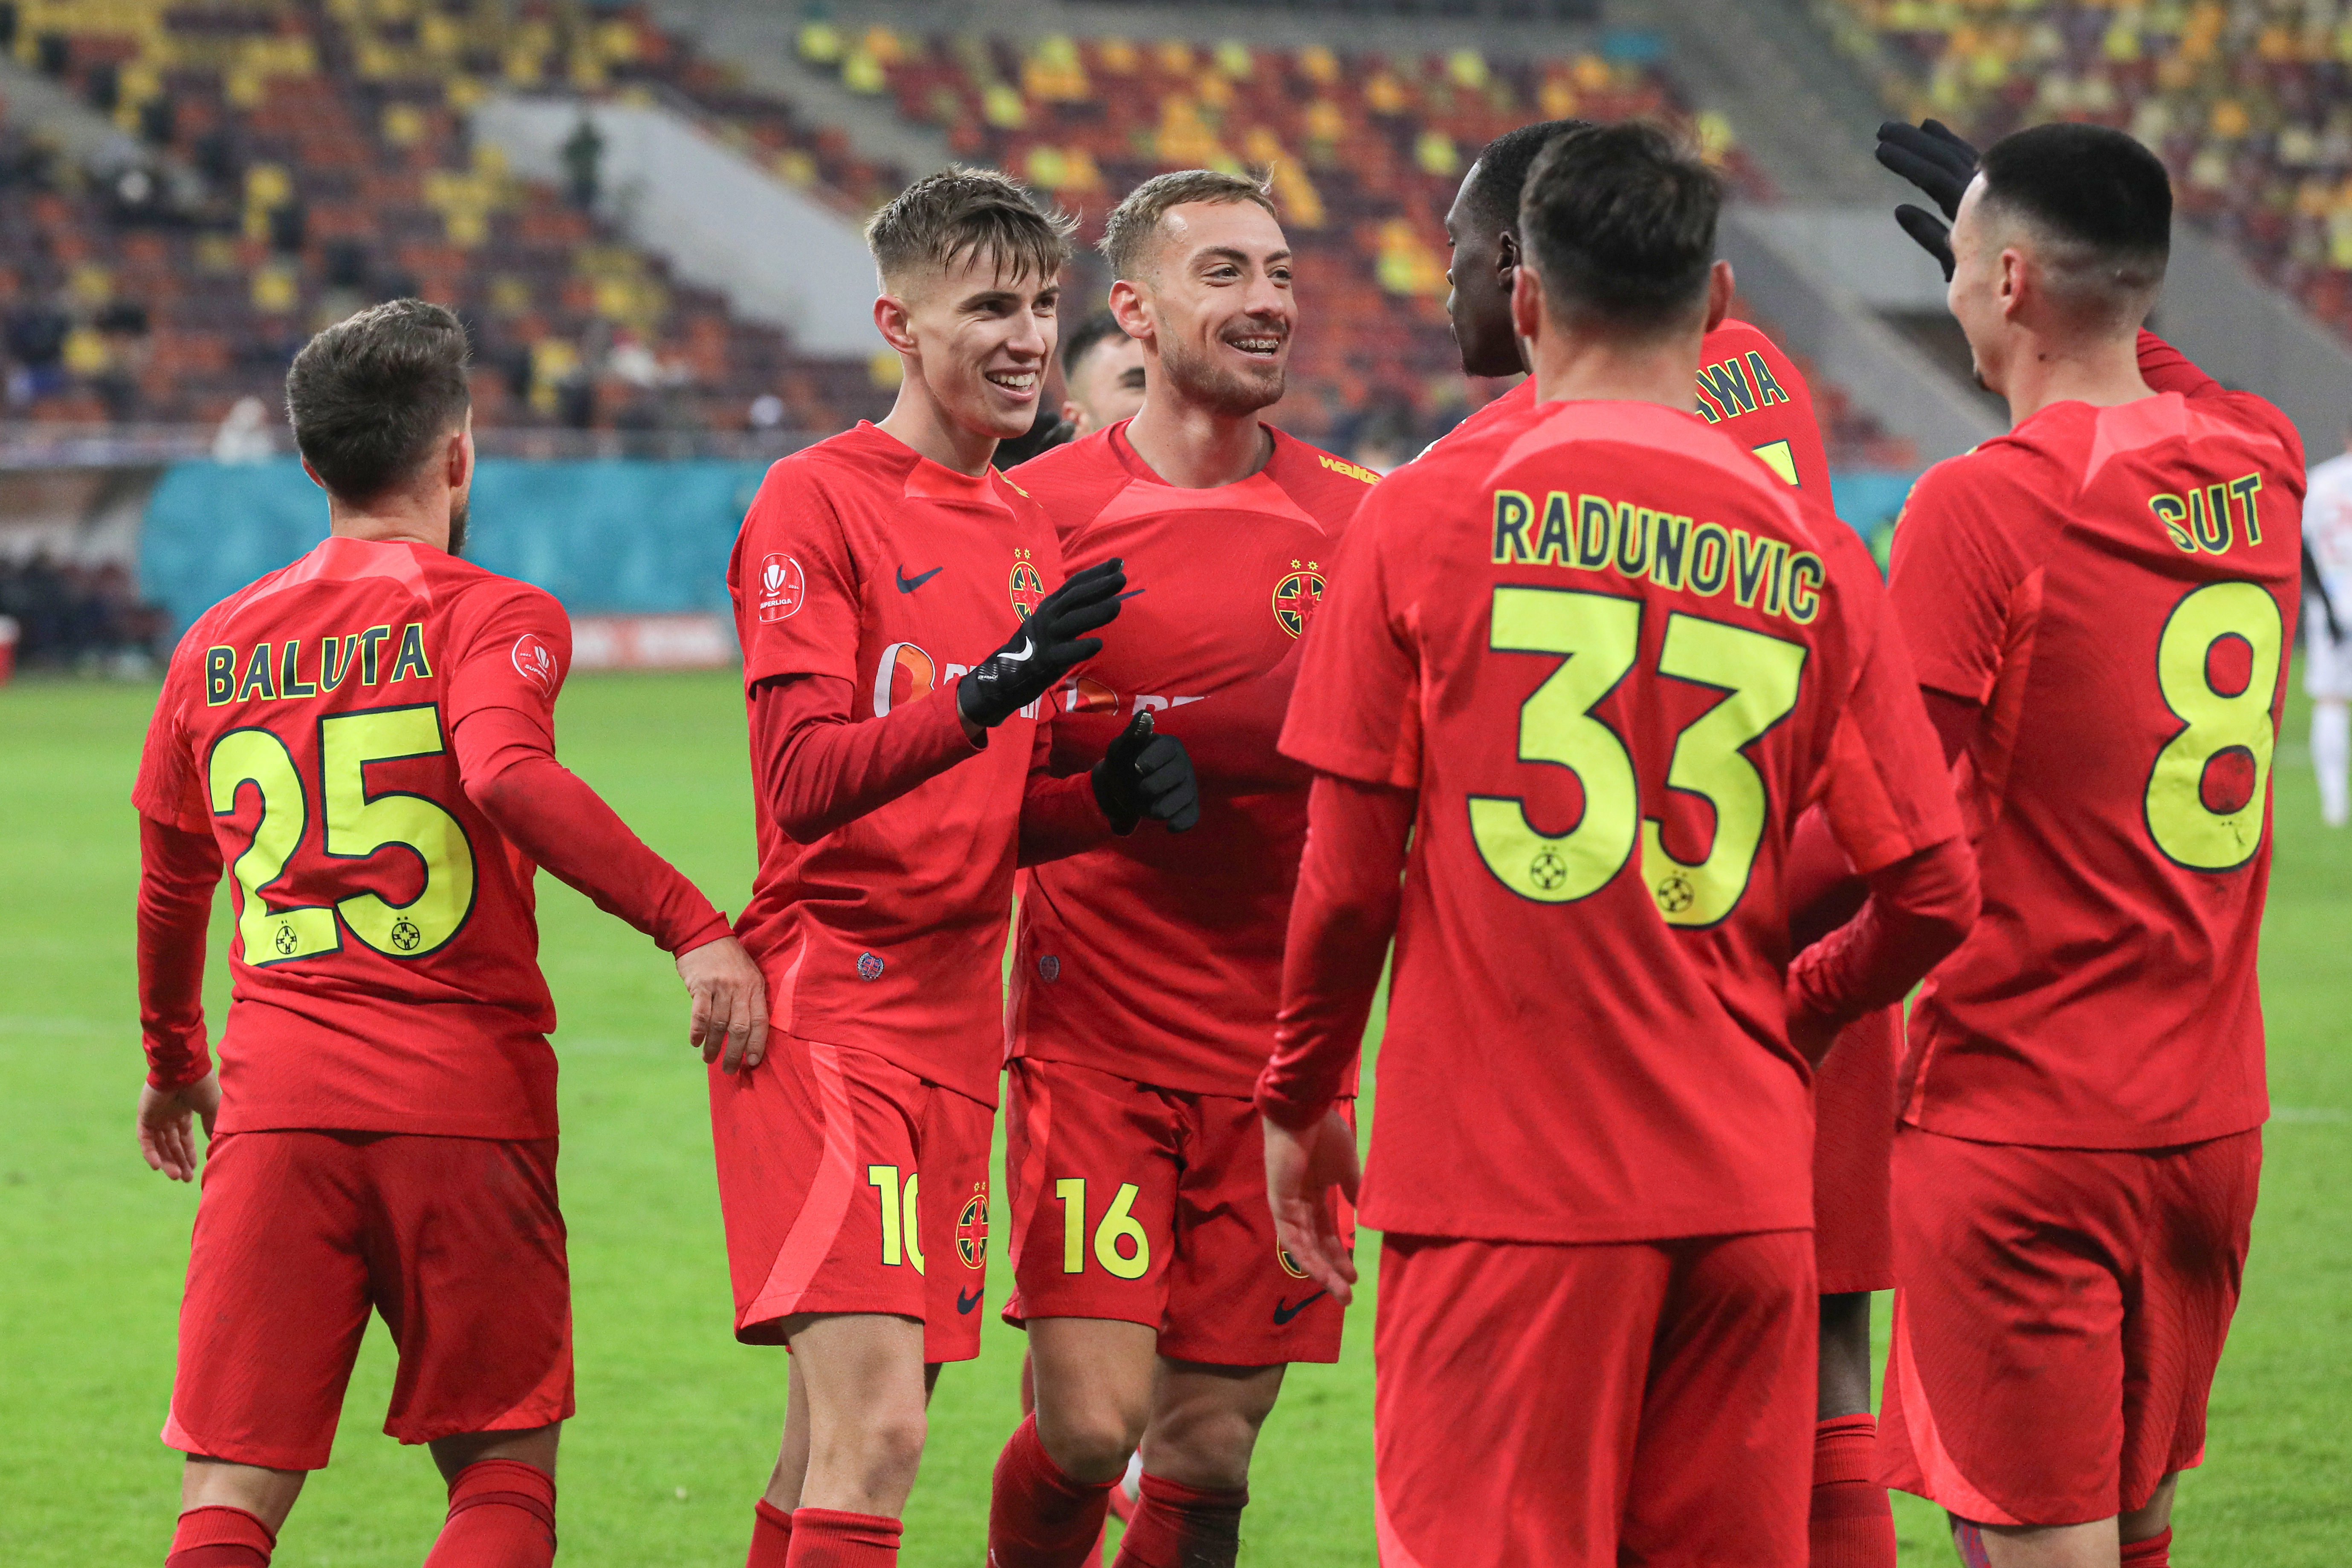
357	824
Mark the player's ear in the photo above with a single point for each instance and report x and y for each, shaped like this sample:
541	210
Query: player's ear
1721	284
1527	304
2014	284
458	462
1506	257
894	318
1076	418
1129	308
313	473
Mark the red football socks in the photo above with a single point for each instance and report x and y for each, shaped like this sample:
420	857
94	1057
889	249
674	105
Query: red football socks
1852	1523
1038	1517
220	1538
830	1538
2156	1552
771	1536
501	1515
1177	1526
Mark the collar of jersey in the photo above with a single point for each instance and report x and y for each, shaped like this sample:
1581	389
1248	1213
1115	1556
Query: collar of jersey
336	559
1146	494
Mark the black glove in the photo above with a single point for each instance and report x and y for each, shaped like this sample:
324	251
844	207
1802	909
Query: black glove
1146	775
1049	645
1932	158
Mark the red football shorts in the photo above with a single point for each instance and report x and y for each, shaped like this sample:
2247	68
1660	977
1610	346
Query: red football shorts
1552	1407
457	1241
1853	1138
2058	1316
851	1185
1149	1205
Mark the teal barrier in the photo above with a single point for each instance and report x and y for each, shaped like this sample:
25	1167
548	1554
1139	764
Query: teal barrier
614	536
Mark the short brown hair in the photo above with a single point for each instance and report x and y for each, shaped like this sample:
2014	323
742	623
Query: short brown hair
943	217
1129	231
368	396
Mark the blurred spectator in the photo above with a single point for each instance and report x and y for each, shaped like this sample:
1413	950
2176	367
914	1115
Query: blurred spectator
584	158
71	616
766	414
244	436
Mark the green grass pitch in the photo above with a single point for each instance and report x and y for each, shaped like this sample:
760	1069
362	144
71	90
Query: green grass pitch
677	1423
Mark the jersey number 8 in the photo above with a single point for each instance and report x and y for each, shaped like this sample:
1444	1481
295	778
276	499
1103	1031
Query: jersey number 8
1600	636
2215	724
357	824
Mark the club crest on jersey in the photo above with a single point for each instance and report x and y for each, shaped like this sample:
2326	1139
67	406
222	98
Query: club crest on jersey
972	1227
1298	596
782	585
903	674
1026	585
869	967
1282	1255
534	663
1049	968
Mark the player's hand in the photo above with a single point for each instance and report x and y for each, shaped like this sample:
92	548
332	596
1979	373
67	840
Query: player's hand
1301	1169
731	1004
166	1136
1050	644
1941	165
1146	775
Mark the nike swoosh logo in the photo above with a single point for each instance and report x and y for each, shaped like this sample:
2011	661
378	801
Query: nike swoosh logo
966	1303
1284	1311
909	584
1028	650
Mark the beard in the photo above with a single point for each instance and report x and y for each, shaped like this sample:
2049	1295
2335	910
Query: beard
1208	382
458	514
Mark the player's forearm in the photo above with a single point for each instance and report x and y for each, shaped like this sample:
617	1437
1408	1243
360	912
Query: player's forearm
178	871
1059	819
1340	924
1920	911
2167	369
1823	889
819	770
546	811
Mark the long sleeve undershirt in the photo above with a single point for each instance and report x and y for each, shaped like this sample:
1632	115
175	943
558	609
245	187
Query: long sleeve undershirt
1349	890
818	768
177	873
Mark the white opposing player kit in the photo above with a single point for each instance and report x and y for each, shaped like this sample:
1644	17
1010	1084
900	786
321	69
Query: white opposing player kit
2327	639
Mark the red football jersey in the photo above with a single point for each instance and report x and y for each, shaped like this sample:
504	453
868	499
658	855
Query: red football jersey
2117	588
1159	957
1745	383
862	560
386	974
1615	659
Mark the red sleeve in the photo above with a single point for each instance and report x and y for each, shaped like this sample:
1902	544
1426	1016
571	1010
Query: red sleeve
1358	712
816	769
177	873
1887	790
544	809
1919	909
513	650
1956	567
1822	889
798	595
1059	815
1232	736
2167	369
168	789
1340	924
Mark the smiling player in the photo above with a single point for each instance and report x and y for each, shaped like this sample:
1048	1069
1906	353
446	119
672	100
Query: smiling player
1159	1308
1751	390
897	760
